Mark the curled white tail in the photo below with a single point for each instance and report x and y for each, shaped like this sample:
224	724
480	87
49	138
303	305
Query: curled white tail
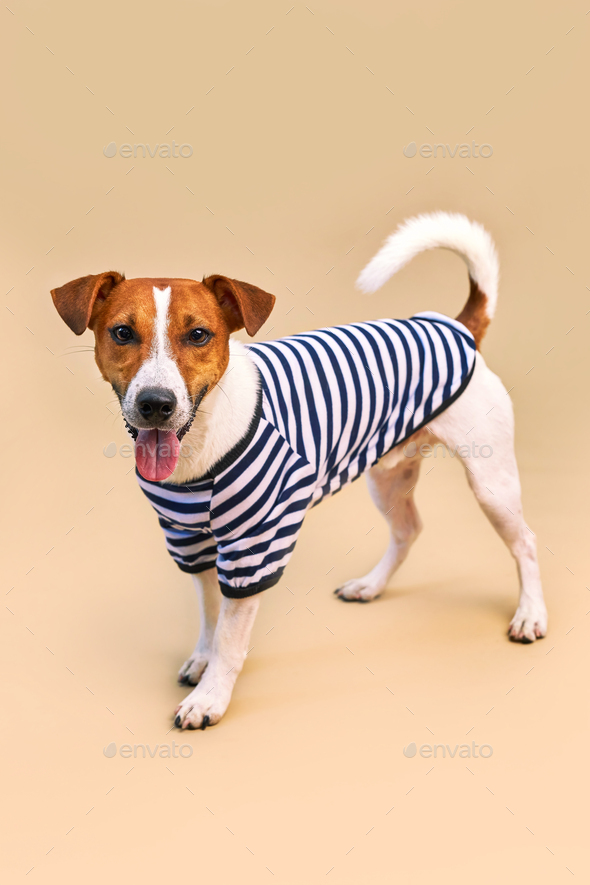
438	230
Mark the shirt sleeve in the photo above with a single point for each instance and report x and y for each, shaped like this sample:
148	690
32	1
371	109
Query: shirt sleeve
257	512
256	561
192	551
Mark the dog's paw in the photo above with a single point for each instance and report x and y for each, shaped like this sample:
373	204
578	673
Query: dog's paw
359	590
529	623
191	671
204	706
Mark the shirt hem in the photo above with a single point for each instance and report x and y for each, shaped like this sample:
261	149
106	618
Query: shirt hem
438	411
196	567
252	590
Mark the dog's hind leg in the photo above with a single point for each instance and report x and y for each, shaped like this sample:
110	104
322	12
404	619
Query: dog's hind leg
482	419
392	490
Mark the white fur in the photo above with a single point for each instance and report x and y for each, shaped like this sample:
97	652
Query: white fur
159	370
438	230
162	299
224	655
222	419
209	600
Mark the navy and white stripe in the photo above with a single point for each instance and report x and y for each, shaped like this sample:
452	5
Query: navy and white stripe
334	402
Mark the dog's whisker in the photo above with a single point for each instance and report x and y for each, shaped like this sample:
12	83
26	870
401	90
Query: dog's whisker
226	396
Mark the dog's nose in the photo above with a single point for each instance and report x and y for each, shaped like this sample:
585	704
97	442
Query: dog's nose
156	403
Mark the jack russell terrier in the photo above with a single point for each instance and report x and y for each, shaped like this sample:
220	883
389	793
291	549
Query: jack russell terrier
286	423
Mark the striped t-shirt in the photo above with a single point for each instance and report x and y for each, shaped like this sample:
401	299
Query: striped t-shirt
332	403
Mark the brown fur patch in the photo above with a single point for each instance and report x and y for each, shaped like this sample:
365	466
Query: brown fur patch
474	314
219	305
131	303
244	305
75	301
192	305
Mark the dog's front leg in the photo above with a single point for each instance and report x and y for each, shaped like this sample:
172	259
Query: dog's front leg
209	599
208	702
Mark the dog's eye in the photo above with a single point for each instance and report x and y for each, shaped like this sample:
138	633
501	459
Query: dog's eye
123	334
199	336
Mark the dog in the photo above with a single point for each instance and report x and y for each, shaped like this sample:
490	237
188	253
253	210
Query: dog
274	427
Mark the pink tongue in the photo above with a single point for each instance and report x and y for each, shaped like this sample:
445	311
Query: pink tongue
156	453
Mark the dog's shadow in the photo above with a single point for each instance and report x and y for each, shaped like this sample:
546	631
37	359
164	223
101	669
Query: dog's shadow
444	601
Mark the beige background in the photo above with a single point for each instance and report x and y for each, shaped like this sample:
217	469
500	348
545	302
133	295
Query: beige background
297	117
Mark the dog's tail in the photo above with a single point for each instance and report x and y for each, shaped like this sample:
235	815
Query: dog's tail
447	231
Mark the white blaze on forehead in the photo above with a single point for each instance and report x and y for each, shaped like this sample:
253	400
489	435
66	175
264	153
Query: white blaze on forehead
160	343
160	369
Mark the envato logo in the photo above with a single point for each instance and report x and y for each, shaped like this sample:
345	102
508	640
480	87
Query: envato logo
464	451
160	150
163	450
166	751
465	751
461	150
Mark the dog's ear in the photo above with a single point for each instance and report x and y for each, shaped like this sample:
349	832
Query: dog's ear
74	301
244	306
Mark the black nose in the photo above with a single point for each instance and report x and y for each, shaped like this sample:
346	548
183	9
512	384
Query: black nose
156	403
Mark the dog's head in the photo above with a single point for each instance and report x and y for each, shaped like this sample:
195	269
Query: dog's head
162	344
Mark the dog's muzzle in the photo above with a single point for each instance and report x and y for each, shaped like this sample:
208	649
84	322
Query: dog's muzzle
157	447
